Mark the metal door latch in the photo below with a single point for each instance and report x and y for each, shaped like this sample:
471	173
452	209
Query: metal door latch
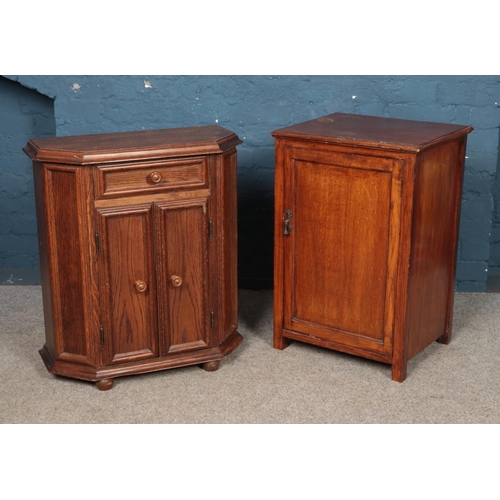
287	227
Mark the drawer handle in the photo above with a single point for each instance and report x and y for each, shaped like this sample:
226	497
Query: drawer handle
176	280
141	286
155	177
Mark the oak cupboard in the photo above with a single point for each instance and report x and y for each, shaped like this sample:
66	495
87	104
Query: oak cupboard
366	221
137	237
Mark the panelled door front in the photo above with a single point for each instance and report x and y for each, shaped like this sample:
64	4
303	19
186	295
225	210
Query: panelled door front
154	279
341	236
182	231
128	283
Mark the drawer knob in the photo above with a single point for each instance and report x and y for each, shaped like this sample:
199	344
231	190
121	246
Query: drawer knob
141	286
155	177
176	280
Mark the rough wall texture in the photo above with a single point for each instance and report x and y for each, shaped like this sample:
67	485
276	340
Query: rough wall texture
253	106
494	257
23	113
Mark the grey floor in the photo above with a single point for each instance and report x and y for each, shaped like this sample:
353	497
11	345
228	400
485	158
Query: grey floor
304	384
454	384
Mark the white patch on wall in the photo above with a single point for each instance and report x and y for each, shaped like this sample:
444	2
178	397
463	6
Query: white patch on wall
76	87
147	84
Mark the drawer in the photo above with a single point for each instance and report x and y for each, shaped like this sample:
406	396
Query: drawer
151	177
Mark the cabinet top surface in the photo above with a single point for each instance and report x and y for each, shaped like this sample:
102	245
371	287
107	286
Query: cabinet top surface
393	133
143	144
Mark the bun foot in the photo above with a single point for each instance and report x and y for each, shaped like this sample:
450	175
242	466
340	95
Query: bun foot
211	366
105	385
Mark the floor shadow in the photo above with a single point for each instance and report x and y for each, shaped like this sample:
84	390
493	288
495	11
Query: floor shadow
255	307
493	284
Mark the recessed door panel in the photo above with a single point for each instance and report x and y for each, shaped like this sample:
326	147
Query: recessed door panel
128	283
341	250
182	275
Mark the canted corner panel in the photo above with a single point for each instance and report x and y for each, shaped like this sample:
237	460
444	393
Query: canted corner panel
128	283
228	220
341	254
66	252
184	316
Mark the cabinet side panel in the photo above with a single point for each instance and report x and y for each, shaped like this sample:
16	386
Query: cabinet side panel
43	238
65	254
230	245
434	243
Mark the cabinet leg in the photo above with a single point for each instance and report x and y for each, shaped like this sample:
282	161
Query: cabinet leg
280	342
211	366
445	338
105	384
399	372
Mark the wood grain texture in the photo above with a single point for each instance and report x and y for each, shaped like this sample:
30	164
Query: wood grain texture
279	341
346	213
129	315
400	344
65	239
151	177
437	193
108	148
367	264
138	260
229	240
93	374
183	232
373	132
45	257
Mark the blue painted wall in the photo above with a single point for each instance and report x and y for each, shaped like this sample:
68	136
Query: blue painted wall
23	113
253	106
494	257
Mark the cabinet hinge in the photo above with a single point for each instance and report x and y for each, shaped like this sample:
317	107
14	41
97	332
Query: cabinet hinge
96	242
102	335
212	319
287	227
210	230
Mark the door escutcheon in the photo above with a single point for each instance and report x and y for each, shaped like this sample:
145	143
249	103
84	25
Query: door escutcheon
287	227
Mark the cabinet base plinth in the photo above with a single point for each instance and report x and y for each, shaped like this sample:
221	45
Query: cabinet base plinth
103	376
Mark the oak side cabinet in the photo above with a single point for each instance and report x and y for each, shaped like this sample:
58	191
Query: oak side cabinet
137	237
366	222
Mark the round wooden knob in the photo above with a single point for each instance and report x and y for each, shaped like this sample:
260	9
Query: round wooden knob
141	286
176	280
155	177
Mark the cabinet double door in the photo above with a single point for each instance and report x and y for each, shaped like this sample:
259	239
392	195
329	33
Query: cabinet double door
153	279
340	248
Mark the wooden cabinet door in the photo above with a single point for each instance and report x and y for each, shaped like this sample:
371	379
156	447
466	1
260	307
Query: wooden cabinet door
340	256
128	283
185	320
